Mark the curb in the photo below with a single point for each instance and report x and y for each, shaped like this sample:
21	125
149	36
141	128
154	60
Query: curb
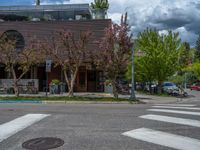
84	102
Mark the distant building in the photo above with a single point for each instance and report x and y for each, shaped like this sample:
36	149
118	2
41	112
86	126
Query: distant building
41	21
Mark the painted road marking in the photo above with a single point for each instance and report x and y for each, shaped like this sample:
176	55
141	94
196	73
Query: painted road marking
10	128
20	101
175	111
182	121
164	139
181	105
174	107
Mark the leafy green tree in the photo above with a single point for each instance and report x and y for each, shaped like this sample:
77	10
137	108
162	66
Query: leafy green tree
100	4
160	59
195	69
143	72
185	57
197	52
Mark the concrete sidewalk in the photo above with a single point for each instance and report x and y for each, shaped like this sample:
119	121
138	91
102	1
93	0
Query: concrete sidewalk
150	99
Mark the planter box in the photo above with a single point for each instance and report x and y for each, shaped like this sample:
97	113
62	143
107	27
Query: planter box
100	13
108	89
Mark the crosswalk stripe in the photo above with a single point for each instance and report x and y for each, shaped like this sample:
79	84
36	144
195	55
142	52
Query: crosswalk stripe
181	105
182	121
174	107
175	111
164	139
10	128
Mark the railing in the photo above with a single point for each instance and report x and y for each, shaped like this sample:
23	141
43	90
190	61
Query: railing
26	86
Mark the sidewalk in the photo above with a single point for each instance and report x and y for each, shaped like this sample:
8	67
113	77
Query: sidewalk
149	99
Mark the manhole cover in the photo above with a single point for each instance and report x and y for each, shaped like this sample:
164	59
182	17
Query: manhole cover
43	143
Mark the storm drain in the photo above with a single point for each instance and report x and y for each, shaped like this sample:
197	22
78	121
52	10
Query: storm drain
43	143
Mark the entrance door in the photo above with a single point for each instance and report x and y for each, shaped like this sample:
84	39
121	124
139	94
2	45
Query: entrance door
2	72
82	80
41	75
91	78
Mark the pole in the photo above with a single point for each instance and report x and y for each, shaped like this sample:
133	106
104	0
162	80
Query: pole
185	81
133	97
47	83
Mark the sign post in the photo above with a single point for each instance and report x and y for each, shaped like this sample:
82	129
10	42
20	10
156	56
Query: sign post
47	69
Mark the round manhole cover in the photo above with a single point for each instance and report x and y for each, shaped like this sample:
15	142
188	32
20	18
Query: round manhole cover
43	143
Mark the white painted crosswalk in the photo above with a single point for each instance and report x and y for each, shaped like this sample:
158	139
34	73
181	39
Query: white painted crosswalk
176	107
175	111
166	139
181	121
10	128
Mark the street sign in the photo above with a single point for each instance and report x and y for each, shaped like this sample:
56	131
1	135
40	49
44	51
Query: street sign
48	65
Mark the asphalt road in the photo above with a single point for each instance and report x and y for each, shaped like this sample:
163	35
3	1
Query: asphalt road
101	126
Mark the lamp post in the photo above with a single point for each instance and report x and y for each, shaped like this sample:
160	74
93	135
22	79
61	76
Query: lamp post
133	97
185	78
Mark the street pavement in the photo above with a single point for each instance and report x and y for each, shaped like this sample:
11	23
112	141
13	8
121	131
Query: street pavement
104	126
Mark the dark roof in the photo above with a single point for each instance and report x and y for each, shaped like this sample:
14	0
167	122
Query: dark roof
83	7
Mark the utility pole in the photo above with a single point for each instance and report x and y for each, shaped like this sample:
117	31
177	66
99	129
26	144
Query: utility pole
133	97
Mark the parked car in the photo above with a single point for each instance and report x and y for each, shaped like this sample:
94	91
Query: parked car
195	87
170	87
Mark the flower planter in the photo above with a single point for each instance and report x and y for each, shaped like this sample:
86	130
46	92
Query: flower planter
100	13
108	88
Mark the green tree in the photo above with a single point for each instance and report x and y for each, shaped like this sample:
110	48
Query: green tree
185	56
160	59
100	4
197	52
195	69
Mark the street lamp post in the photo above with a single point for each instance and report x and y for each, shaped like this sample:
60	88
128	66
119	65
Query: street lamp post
185	78
133	97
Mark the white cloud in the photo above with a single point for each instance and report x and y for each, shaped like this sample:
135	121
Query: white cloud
176	15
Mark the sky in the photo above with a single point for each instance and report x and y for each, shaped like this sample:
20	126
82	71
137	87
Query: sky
181	16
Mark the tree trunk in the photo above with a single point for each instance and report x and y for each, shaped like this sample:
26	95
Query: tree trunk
71	81
115	91
71	89
15	81
150	90
159	87
16	89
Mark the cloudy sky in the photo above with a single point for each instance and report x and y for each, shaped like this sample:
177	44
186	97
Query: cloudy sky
182	16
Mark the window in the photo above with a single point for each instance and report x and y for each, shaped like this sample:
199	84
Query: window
16	36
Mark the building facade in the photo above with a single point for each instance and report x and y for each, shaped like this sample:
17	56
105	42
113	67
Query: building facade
41	22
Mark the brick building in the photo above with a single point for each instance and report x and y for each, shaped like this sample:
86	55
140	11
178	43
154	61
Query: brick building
41	21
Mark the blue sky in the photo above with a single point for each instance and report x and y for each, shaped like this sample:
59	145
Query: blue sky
16	2
177	15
